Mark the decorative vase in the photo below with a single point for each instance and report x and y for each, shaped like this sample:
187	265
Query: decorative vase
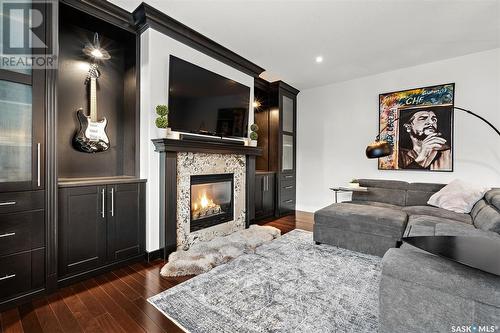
253	143
162	132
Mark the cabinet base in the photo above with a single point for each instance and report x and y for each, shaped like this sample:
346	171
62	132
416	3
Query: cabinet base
67	280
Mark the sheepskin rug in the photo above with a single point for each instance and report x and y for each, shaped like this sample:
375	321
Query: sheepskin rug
203	256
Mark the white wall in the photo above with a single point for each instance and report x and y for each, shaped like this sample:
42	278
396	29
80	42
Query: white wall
155	51
336	122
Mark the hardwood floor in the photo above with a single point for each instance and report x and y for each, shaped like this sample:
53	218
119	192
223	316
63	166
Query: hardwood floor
112	302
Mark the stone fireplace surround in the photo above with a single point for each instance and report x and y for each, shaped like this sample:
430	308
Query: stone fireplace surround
179	159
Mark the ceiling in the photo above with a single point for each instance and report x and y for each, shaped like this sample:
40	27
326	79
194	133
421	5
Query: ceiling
355	38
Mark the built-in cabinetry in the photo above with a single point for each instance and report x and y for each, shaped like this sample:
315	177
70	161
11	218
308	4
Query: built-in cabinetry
22	181
276	117
99	224
264	194
101	201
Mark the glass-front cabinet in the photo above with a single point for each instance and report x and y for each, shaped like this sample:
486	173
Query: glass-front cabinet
288	115
21	133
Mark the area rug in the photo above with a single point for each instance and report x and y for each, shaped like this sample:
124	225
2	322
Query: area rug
287	285
203	256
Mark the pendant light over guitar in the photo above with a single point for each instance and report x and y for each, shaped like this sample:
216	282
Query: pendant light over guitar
95	51
381	148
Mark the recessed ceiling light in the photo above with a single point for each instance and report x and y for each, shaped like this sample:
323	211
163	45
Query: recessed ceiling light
319	59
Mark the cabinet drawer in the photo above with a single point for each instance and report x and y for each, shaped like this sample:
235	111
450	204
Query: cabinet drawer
288	176
11	202
21	231
287	194
15	274
287	206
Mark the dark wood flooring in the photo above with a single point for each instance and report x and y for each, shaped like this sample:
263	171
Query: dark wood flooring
112	302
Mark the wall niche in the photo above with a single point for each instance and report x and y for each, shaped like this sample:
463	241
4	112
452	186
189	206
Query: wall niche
117	96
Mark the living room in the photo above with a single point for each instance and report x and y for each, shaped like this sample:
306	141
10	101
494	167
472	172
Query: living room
250	166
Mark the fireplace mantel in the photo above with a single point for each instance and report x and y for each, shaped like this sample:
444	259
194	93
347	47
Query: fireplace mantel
169	150
209	147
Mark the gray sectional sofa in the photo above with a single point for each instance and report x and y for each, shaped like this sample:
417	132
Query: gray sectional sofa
419	292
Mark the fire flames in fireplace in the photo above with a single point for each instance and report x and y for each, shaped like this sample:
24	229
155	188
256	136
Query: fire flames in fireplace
212	200
205	207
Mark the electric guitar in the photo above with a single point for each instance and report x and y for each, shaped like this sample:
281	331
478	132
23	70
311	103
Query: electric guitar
91	137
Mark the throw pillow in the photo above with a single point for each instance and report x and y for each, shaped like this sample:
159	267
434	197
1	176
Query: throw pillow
458	196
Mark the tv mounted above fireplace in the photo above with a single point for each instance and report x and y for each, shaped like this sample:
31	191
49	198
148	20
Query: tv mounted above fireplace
204	102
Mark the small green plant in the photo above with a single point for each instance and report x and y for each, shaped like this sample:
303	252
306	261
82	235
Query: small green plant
354	181
162	112
253	135
254	127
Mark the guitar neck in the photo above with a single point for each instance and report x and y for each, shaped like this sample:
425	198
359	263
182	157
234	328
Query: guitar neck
93	99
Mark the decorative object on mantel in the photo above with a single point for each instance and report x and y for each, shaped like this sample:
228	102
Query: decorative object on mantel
288	285
162	121
203	256
253	135
418	124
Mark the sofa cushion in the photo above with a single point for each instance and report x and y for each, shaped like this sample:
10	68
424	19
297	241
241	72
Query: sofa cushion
375	204
366	219
387	191
438	212
419	193
436	273
488	219
424	225
493	197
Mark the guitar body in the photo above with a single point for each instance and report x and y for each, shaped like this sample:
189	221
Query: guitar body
91	136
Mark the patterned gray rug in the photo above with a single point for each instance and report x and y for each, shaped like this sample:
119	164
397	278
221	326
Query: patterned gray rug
288	285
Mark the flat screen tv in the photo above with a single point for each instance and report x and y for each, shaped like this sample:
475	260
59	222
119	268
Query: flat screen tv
203	102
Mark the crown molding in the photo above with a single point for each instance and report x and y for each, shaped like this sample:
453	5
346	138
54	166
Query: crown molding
146	17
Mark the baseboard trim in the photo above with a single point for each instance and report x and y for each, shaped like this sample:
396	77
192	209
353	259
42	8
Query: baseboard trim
154	255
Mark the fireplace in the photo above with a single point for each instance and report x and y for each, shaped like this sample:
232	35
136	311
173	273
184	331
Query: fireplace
212	200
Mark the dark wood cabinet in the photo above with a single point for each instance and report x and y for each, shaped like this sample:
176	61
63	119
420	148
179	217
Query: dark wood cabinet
82	229
125	221
264	195
99	225
277	121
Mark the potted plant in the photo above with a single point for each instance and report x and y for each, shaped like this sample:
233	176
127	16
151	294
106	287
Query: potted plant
354	183
253	135
162	120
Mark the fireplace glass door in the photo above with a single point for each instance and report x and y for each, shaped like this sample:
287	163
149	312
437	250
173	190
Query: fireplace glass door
212	200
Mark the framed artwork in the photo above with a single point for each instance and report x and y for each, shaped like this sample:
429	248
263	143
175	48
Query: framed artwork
419	124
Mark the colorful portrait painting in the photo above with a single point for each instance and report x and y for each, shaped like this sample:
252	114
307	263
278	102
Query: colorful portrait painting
419	125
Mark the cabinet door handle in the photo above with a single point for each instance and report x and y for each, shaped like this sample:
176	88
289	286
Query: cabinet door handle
112	201
289	201
103	207
265	183
8	203
288	187
38	164
288	176
10	234
6	277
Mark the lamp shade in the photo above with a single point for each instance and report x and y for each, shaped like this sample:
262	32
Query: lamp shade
379	149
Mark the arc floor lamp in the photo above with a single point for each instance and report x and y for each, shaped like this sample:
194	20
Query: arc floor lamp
381	148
